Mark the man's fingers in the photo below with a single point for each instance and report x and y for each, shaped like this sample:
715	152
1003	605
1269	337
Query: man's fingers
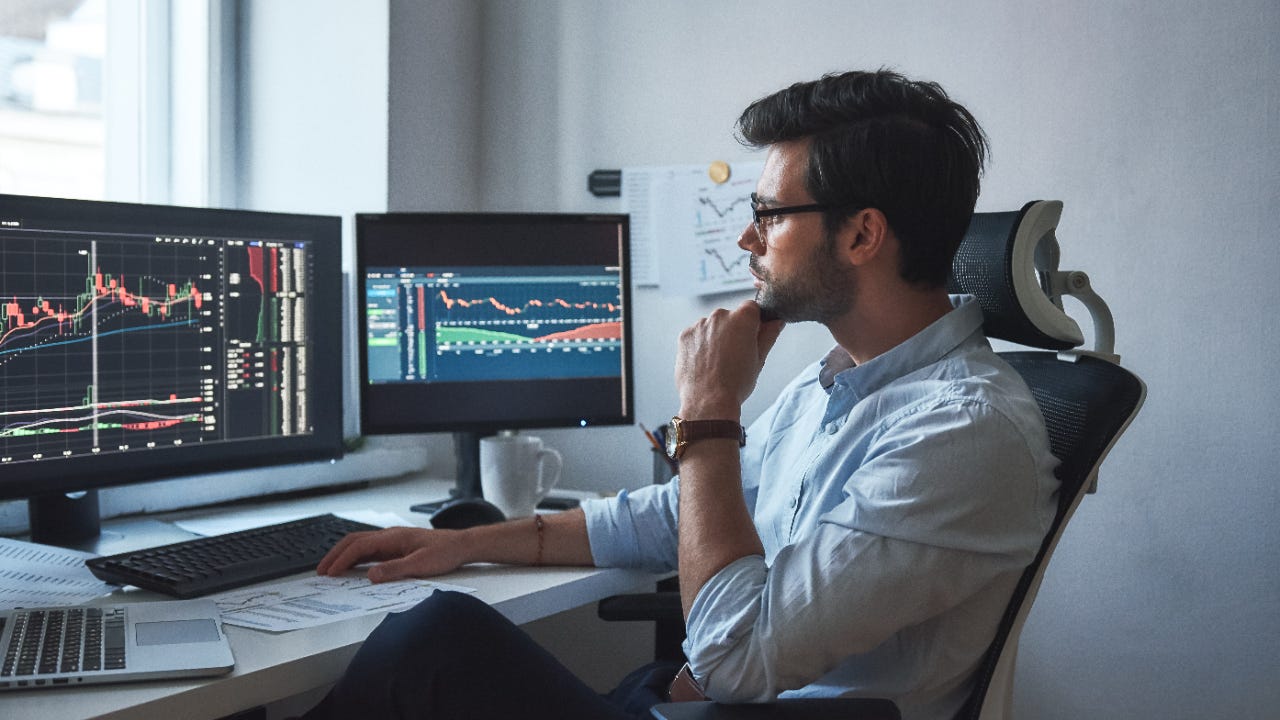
769	333
397	569
355	549
330	558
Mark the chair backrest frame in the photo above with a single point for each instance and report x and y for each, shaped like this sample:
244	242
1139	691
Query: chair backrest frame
1081	444
1087	402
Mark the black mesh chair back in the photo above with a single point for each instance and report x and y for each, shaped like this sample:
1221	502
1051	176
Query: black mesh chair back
985	267
1087	402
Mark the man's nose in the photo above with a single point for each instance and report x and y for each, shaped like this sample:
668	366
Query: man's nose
750	239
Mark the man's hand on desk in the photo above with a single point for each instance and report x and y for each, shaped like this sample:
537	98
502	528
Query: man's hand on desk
401	552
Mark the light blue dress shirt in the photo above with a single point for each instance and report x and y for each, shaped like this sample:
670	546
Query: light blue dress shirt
897	501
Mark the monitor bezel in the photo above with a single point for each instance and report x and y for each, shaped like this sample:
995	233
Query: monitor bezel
92	472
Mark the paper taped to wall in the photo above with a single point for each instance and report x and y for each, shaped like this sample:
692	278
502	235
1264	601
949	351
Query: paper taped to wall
685	226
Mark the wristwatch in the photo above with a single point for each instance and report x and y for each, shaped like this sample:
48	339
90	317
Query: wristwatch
681	432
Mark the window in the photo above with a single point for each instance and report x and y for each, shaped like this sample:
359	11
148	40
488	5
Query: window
97	102
52	138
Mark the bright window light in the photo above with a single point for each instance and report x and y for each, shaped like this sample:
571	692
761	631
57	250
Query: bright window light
52	131
115	99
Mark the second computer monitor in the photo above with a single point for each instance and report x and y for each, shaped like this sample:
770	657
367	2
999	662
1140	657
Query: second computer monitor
479	322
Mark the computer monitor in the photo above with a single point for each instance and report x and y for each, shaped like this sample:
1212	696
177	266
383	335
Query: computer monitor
475	323
140	342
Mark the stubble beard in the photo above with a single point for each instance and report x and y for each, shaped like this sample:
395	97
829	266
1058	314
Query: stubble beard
820	292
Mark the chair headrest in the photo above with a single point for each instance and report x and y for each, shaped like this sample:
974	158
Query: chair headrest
1001	262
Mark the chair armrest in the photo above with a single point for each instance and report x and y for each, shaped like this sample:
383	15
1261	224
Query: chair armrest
642	606
798	709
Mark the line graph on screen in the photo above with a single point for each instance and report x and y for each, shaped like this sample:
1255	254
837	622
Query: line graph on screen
492	323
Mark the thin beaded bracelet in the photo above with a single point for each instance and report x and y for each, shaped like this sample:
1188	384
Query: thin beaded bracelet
537	523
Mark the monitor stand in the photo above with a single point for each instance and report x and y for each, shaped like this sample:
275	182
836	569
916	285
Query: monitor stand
64	519
466	484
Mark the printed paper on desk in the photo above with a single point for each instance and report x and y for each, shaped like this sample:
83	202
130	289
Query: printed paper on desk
308	602
34	575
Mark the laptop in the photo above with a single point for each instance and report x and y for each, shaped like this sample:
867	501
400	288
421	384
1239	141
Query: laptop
90	644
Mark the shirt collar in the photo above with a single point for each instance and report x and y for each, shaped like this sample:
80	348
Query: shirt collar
928	346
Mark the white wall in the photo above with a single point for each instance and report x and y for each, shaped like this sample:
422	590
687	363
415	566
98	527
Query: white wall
434	153
1155	123
311	120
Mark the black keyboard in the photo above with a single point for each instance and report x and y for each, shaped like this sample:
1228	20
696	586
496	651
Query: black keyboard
222	562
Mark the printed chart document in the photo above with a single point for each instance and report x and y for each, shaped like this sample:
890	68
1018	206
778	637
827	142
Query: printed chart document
33	575
297	604
685	227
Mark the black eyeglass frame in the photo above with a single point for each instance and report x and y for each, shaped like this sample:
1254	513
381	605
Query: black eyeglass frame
757	213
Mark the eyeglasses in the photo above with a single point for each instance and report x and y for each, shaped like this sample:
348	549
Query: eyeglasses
758	214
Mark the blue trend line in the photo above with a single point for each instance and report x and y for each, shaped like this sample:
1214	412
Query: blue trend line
105	334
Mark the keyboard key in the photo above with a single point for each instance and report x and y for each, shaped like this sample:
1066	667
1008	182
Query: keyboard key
46	642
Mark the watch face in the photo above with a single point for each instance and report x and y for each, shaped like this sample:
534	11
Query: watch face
673	438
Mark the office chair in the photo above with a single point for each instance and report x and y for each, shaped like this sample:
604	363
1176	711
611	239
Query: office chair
1009	262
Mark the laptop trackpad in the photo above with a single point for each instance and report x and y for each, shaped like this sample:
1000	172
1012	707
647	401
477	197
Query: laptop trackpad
172	632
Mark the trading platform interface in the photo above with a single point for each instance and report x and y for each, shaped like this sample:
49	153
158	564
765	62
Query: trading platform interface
464	324
117	342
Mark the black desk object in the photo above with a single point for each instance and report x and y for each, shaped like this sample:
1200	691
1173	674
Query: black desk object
193	568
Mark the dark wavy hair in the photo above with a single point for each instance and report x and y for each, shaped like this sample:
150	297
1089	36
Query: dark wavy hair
878	139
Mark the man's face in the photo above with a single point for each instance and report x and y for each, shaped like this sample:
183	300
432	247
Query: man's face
799	272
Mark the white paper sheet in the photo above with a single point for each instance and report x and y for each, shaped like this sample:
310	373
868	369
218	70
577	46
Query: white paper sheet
308	602
33	575
685	227
648	195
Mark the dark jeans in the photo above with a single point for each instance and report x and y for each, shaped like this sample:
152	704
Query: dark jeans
452	656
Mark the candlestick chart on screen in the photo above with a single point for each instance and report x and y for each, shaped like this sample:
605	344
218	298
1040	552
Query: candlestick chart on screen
114	343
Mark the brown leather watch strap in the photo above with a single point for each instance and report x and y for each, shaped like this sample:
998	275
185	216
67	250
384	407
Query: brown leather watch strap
681	433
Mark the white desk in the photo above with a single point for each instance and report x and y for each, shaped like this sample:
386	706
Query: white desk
271	667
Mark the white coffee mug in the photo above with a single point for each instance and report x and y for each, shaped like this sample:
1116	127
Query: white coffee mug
517	472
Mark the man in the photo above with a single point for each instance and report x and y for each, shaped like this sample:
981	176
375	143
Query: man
867	536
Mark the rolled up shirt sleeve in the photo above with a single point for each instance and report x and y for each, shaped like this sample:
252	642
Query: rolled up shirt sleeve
635	529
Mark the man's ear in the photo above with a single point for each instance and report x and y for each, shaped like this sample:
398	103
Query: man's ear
864	236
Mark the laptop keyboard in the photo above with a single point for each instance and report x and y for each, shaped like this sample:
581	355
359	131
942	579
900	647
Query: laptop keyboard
64	640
